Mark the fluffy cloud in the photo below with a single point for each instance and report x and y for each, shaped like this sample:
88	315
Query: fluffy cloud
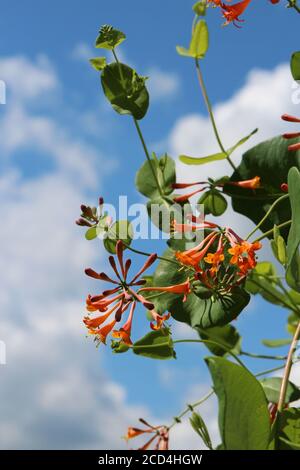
162	85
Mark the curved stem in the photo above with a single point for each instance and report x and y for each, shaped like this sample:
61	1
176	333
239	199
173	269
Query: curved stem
215	343
143	253
137	126
189	408
288	368
269	232
282	302
211	114
285	196
263	356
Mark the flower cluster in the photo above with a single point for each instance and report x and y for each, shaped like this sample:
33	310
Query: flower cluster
113	303
160	434
231	13
220	262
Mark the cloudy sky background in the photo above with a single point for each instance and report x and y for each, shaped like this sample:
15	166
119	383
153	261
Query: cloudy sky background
61	144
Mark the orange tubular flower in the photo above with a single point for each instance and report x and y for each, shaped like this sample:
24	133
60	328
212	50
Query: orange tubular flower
253	183
117	300
195	255
183	288
231	13
291	135
159	319
243	255
159	434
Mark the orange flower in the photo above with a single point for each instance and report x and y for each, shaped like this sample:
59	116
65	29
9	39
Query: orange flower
243	255
124	333
253	183
183	288
160	433
119	298
232	13
215	259
159	319
193	256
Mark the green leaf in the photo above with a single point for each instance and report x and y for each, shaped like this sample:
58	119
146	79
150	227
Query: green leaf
166	174
271	160
91	233
98	63
200	8
196	312
278	247
120	230
293	320
199	42
214	203
244	420
200	428
125	90
295	65
276	343
156	345
227	335
289	425
272	388
216	156
293	255
109	38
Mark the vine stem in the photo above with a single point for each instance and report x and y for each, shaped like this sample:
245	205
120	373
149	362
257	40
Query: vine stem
269	232
263	356
137	126
211	114
288	368
285	196
293	4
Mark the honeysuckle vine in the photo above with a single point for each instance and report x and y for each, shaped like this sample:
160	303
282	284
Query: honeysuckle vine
209	271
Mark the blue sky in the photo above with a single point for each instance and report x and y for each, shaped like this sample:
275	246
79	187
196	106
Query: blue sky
64	145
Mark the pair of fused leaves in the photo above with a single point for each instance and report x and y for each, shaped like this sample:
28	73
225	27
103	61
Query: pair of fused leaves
161	207
195	311
110	234
124	88
216	156
214	202
271	160
199	43
154	345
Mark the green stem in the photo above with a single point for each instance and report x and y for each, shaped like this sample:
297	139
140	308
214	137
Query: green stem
293	4
263	356
190	408
282	302
269	232
267	214
288	368
211	114
143	253
215	343
148	155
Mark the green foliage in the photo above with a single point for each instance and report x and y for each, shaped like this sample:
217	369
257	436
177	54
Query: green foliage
196	312
244	421
200	428
295	65
271	160
279	247
199	42
166	175
125	90
289	426
216	156
200	8
98	63
293	255
226	336
109	38
120	230
214	202
272	387
155	345
276	343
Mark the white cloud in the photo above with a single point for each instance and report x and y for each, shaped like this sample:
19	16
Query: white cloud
265	96
162	85
82	52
